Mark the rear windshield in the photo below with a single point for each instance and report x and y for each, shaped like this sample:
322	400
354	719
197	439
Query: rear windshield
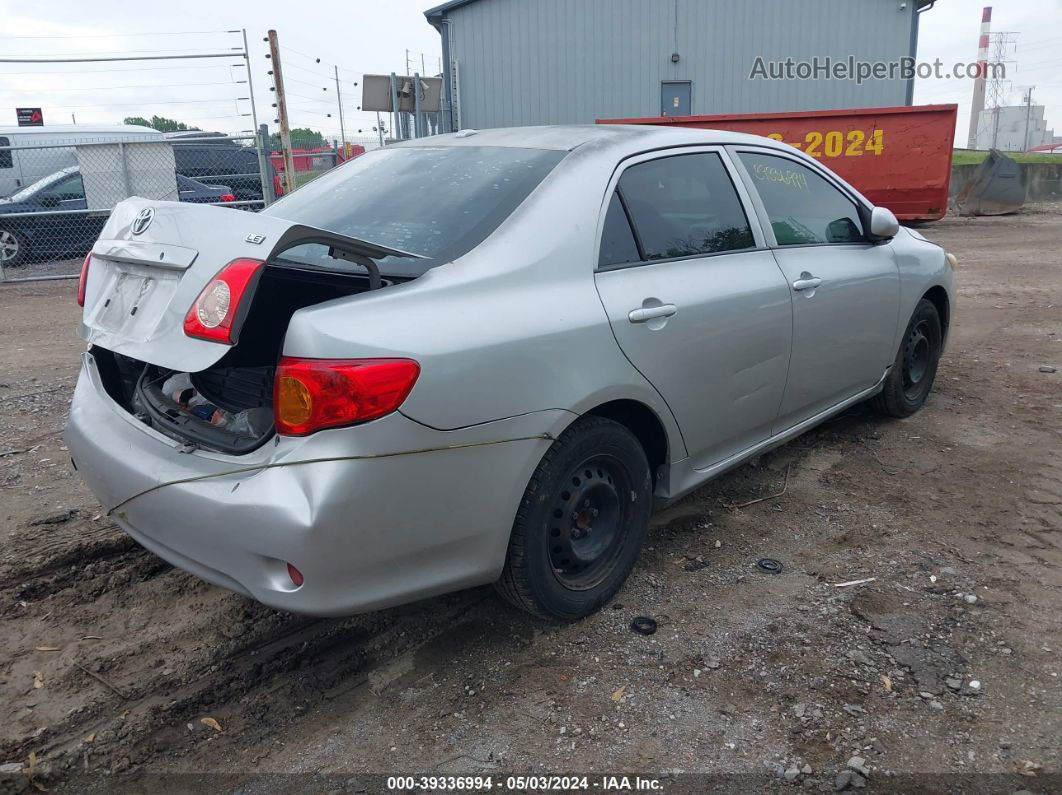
437	202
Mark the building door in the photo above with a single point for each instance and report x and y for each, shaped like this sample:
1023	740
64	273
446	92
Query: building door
676	97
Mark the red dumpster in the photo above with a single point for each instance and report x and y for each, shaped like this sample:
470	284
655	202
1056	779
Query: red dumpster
899	158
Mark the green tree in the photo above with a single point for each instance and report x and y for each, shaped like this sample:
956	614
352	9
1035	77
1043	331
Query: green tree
301	138
160	123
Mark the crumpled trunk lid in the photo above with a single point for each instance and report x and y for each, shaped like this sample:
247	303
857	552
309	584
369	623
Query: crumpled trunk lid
151	262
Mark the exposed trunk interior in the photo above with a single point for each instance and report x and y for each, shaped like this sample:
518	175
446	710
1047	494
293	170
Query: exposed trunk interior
229	406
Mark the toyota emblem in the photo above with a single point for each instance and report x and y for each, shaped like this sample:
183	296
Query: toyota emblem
143	220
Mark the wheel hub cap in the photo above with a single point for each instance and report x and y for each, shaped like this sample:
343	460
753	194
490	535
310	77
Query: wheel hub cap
917	355
585	529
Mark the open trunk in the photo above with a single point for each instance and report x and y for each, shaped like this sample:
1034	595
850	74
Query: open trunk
139	289
227	406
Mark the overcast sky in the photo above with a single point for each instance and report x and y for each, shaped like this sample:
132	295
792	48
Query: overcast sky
358	37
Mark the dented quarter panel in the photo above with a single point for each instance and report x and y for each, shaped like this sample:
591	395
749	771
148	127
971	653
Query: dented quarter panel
337	503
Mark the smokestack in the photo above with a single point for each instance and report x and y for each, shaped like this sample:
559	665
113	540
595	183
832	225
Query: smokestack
978	103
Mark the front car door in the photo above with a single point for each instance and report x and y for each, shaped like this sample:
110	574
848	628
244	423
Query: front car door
695	299
845	289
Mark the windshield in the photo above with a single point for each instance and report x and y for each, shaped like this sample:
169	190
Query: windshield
28	191
436	202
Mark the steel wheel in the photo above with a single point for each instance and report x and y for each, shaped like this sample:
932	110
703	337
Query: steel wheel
911	376
586	522
580	522
917	355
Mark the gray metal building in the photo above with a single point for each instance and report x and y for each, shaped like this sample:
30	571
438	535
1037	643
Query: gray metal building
516	62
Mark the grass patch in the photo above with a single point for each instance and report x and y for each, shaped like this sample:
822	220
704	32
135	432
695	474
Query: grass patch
971	157
302	177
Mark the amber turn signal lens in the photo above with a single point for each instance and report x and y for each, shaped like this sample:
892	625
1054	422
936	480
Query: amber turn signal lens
294	403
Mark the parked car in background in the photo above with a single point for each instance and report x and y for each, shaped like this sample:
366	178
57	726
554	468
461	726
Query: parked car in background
213	157
483	357
21	168
59	227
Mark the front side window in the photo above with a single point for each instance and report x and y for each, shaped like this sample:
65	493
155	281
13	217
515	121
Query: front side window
5	154
438	202
684	205
803	207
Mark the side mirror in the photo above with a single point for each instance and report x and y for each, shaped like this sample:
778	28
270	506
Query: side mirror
883	224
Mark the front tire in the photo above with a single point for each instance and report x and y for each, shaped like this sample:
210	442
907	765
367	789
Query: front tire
13	248
911	378
581	522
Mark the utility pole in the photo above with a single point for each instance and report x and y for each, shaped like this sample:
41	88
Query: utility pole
1028	111
339	99
282	112
260	140
379	128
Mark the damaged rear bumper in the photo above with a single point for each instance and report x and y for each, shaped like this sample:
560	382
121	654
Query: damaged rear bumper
373	515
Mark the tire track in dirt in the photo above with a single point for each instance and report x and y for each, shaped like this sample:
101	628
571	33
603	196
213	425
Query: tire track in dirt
253	680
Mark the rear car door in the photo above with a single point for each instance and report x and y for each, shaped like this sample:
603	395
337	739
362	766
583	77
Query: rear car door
845	289
694	298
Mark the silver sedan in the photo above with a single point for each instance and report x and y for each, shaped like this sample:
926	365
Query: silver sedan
484	357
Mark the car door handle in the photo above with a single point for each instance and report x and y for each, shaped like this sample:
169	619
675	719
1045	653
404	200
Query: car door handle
807	284
647	313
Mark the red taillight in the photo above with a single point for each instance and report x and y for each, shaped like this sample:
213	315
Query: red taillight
278	189
214	313
311	394
226	197
82	282
295	576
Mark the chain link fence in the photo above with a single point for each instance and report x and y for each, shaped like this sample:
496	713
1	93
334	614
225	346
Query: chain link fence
55	197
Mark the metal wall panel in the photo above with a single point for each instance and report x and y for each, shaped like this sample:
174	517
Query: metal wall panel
573	61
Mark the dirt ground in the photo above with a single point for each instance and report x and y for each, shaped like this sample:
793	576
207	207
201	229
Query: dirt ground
118	671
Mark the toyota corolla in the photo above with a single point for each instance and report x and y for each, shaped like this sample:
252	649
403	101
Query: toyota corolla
483	357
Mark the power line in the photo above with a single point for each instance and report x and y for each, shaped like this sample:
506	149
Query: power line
310	71
124	35
141	85
73	56
118	58
130	69
150	103
321	61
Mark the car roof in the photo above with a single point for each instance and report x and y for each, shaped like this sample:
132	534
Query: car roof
569	137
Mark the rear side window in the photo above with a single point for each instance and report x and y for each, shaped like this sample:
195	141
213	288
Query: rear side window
618	246
438	202
803	207
5	154
685	205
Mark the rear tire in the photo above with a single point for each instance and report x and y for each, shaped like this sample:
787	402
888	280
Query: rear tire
581	522
910	380
13	248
